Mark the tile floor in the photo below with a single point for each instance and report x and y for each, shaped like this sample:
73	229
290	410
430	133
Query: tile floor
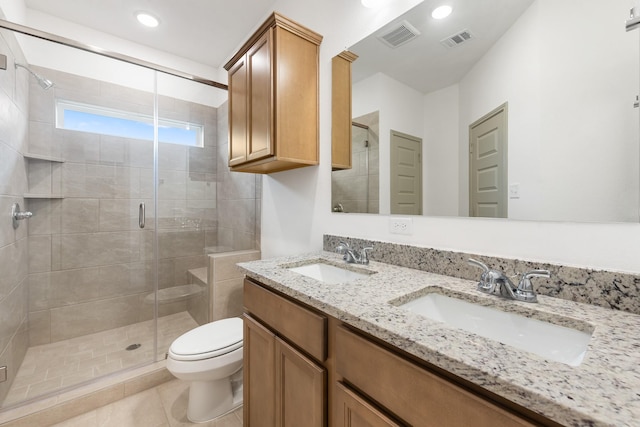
65	363
162	406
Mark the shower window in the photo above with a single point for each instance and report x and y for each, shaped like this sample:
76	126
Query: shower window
107	121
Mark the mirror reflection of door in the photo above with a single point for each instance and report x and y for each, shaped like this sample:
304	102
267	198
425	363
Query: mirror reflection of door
488	165
406	174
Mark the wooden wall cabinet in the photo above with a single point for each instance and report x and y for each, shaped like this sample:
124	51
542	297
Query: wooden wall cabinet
341	116
273	99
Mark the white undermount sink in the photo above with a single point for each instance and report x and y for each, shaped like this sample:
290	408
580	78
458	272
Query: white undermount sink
328	273
552	342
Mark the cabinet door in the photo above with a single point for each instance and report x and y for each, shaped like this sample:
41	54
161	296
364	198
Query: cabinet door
259	61
259	375
352	410
300	389
238	125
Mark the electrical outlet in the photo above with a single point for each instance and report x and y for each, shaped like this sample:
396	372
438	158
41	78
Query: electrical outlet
514	191
401	225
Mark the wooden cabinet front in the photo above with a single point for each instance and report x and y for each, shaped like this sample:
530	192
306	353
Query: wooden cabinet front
259	375
300	389
238	124
260	118
273	114
283	385
413	394
292	321
352	410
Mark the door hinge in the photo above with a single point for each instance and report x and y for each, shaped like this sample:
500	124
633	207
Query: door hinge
3	374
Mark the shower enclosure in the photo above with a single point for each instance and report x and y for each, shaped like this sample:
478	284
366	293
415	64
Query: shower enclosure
123	166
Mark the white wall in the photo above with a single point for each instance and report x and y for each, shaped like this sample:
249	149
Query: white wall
441	153
296	209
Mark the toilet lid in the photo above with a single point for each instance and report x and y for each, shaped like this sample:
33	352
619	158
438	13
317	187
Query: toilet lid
210	340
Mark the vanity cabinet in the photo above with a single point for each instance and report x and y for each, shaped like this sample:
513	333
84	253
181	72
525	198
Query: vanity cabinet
273	99
285	381
304	368
341	83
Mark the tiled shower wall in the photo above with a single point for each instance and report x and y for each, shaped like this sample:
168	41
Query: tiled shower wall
90	265
13	184
239	197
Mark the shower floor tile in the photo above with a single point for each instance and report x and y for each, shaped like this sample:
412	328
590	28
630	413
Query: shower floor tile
47	367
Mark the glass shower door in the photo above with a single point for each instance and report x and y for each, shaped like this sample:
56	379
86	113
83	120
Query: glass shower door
86	305
187	211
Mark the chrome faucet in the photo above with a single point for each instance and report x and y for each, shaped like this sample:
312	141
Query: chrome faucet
351	256
490	279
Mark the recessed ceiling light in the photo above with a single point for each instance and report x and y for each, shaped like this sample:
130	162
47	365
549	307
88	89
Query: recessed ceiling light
147	19
441	12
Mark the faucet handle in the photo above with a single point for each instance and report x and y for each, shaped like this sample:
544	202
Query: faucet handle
482	265
525	287
342	247
488	277
537	273
364	256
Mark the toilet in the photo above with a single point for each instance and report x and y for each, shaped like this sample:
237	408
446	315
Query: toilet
210	357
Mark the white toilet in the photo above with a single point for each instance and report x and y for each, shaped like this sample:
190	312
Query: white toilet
210	356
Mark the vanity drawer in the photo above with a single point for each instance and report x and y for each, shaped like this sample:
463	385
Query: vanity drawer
298	324
412	393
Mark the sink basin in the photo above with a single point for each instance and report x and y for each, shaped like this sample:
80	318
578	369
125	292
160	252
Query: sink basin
328	273
553	342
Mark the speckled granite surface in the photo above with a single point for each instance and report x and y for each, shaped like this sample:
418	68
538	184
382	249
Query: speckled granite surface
603	391
603	288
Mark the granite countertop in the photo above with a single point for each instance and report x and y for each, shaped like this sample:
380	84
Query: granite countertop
604	390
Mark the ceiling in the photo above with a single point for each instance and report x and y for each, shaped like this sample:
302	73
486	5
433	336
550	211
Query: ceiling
424	63
205	31
209	32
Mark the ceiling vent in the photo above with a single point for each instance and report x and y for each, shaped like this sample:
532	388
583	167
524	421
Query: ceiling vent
457	39
398	35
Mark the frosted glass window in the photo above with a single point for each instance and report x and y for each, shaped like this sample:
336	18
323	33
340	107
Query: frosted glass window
106	121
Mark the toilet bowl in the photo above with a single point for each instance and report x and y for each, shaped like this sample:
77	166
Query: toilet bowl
210	357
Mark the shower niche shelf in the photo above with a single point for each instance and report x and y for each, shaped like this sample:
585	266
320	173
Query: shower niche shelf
43	196
42	166
43	157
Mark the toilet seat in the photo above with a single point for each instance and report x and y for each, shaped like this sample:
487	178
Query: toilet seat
210	340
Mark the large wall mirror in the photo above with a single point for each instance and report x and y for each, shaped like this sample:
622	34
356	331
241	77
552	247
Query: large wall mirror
518	109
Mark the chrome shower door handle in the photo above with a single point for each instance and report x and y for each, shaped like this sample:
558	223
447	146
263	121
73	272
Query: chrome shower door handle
141	215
